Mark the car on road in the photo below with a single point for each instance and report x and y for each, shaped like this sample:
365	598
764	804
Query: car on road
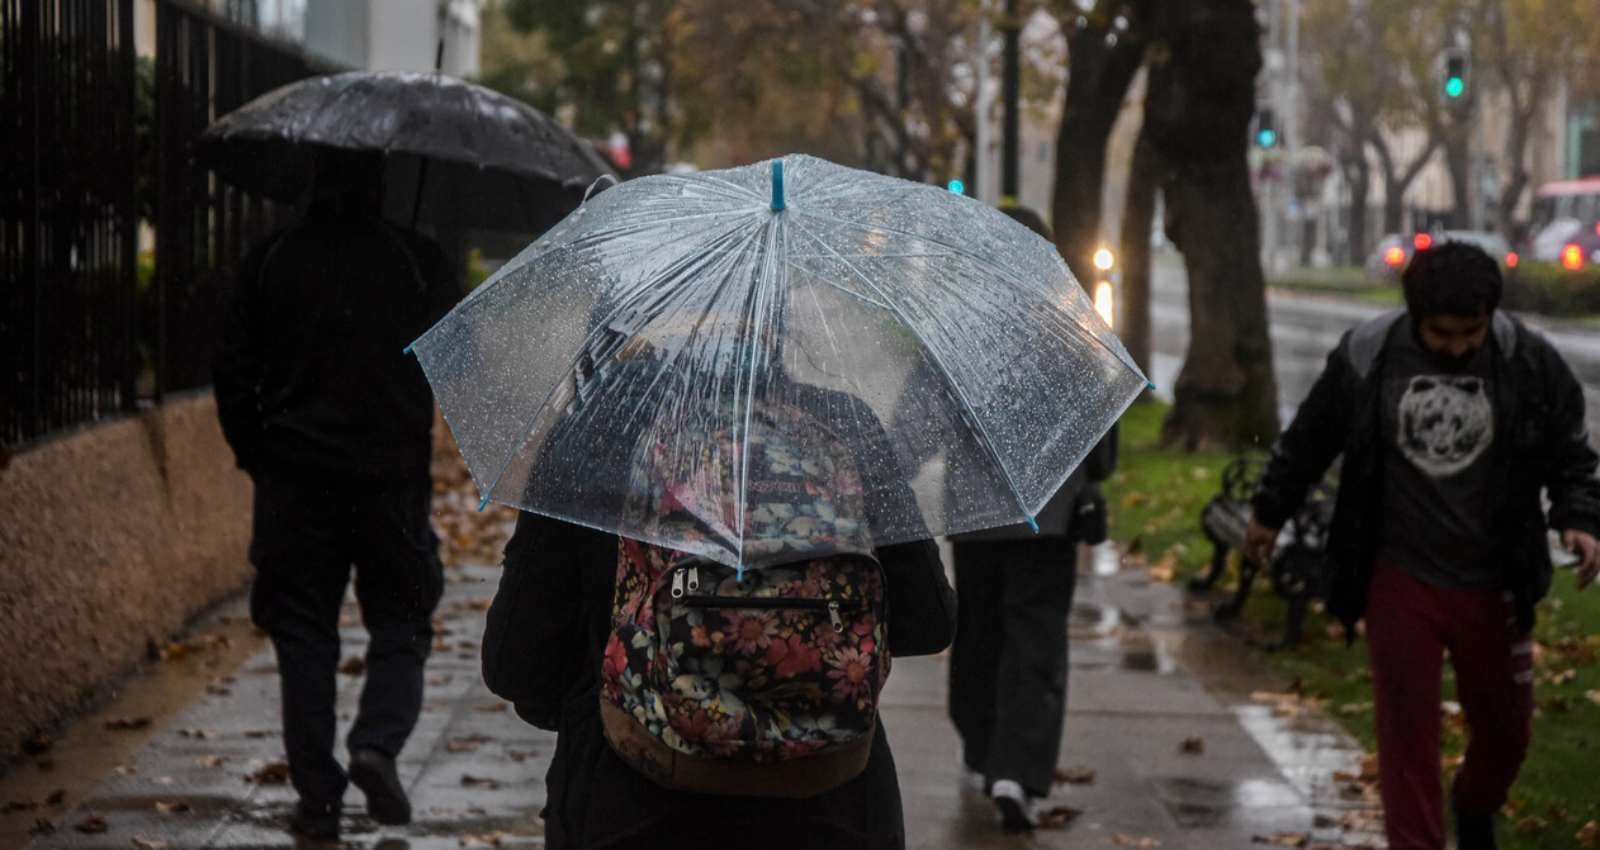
1394	251
1581	250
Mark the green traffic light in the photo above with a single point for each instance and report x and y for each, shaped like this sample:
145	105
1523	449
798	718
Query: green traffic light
1455	87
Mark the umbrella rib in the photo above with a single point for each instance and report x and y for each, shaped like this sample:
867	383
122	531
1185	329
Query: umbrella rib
756	317
959	252
850	292
599	328
944	372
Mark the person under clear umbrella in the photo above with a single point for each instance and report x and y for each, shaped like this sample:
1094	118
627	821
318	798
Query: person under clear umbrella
334	426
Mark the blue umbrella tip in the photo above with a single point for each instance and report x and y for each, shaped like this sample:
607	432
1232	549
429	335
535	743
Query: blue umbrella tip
406	350
777	185
1033	524
483	503
1150	385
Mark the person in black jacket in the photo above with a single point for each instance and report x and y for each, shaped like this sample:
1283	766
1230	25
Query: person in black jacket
1009	664
542	650
1453	418
334	423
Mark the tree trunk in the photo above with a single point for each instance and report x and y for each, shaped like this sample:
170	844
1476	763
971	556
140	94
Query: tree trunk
1458	161
1098	79
1200	106
1138	219
1358	174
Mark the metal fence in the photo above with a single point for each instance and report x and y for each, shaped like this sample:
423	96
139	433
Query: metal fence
96	144
68	232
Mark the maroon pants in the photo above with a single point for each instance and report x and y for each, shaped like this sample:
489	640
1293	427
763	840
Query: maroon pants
1410	626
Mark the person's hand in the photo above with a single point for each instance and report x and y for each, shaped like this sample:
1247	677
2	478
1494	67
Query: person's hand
1260	541
1587	548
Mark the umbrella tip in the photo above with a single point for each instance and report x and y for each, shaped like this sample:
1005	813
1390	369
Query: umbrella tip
1033	524
1150	385
406	350
483	503
777	185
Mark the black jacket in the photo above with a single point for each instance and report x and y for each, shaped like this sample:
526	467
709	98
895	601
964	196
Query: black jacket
311	378
542	649
1541	445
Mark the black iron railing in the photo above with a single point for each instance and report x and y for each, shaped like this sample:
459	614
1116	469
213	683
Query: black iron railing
95	145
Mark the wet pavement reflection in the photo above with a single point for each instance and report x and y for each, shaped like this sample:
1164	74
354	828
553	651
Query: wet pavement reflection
1163	744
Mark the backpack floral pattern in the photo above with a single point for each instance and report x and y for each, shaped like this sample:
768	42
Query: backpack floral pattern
786	662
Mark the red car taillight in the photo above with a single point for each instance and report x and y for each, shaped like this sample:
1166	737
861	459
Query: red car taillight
1512	259
1394	257
1422	241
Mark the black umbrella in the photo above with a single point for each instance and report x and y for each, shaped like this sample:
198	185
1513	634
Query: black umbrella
468	156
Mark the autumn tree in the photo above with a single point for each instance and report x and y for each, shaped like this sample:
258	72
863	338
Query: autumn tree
1105	48
1198	110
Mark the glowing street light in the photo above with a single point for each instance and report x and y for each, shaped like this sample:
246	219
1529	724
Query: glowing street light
1104	259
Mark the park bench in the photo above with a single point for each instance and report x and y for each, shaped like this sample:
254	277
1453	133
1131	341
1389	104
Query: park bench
1300	566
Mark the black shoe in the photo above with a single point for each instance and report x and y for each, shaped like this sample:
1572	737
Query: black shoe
375	774
1016	806
1475	831
317	821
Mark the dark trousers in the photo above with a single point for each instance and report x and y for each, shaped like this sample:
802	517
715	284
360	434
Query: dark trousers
305	540
1008	667
1410	626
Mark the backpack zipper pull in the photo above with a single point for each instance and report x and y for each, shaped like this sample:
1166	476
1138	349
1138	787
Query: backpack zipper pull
833	614
694	579
677	585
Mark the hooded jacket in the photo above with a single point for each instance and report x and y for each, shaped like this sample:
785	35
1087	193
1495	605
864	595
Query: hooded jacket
1541	447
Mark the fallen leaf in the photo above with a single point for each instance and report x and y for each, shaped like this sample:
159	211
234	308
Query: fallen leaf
1589	835
196	734
219	690
128	724
1350	708
1058	817
42	826
1593	696
488	839
355	665
125	770
56	798
179	808
467	744
273	773
1192	746
1369	768
1074	776
471	781
517	756
211	762
149	844
92	825
1124	840
15	806
258	733
1283	839
492	707
1532	825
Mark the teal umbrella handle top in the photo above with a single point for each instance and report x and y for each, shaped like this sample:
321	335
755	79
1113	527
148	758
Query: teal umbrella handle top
777	185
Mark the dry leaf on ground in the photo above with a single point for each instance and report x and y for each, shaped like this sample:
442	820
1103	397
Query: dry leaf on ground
487	839
1283	839
1058	817
1192	746
273	773
1532	825
471	781
56	798
179	808
42	826
92	825
1075	776
143	843
1589	835
467	743
128	724
1125	840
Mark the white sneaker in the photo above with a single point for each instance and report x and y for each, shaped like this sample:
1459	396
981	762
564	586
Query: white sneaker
971	780
1016	807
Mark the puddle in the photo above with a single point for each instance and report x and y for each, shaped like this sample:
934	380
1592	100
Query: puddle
1201	803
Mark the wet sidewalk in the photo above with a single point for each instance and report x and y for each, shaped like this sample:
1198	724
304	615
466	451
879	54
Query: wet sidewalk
1161	713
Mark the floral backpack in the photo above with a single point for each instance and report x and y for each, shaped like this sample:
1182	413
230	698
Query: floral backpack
760	682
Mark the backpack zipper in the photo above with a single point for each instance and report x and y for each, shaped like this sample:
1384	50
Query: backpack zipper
832	606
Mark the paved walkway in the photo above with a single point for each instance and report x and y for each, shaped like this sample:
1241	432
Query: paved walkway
1144	681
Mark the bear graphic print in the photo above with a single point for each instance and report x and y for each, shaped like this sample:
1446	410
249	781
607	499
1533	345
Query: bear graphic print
1445	423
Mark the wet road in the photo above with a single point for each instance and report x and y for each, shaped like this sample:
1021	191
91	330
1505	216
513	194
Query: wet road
1306	328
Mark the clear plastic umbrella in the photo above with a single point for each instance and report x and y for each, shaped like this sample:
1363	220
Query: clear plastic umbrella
648	338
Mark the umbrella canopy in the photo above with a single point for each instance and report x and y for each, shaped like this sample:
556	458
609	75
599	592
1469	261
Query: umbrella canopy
491	161
660	336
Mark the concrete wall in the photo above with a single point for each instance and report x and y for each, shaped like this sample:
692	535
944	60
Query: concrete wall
110	537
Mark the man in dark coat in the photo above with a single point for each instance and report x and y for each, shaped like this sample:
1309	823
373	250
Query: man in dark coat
1453	418
333	423
1008	667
